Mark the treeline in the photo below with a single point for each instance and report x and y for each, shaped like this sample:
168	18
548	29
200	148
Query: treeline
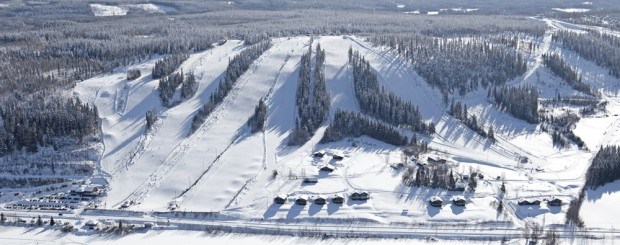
560	68
30	121
236	67
605	167
258	119
603	49
168	65
459	112
168	86
376	102
521	102
312	98
350	124
457	64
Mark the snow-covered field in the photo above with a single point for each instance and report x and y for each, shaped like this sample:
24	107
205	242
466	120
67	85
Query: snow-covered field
111	10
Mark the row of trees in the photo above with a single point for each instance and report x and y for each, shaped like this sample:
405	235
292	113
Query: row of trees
236	67
560	68
521	102
457	64
350	124
168	86
312	98
432	176
561	129
258	119
604	49
375	101
459	112
30	121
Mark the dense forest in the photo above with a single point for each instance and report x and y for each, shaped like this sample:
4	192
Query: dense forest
28	122
603	49
605	167
350	124
312	98
168	65
457	64
236	67
376	102
521	102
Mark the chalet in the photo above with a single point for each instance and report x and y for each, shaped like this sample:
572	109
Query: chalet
436	160
280	199
459	201
321	200
319	154
310	180
554	202
435	201
221	42
338	199
360	196
524	202
337	157
302	200
327	168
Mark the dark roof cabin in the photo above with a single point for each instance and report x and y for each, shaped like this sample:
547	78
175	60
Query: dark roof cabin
523	202
360	196
302	200
280	199
338	199
459	201
554	202
435	201
311	180
337	157
319	154
327	168
321	200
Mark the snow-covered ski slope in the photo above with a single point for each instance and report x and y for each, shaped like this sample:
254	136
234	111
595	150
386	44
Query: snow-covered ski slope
223	167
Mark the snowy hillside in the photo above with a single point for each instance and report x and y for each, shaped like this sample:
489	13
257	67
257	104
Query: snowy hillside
221	172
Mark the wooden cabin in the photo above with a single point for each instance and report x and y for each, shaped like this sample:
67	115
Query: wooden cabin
338	199
319	154
321	200
327	168
459	201
435	201
280	199
554	202
302	200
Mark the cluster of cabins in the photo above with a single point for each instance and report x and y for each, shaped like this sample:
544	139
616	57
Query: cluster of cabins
335	156
553	201
321	199
436	201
